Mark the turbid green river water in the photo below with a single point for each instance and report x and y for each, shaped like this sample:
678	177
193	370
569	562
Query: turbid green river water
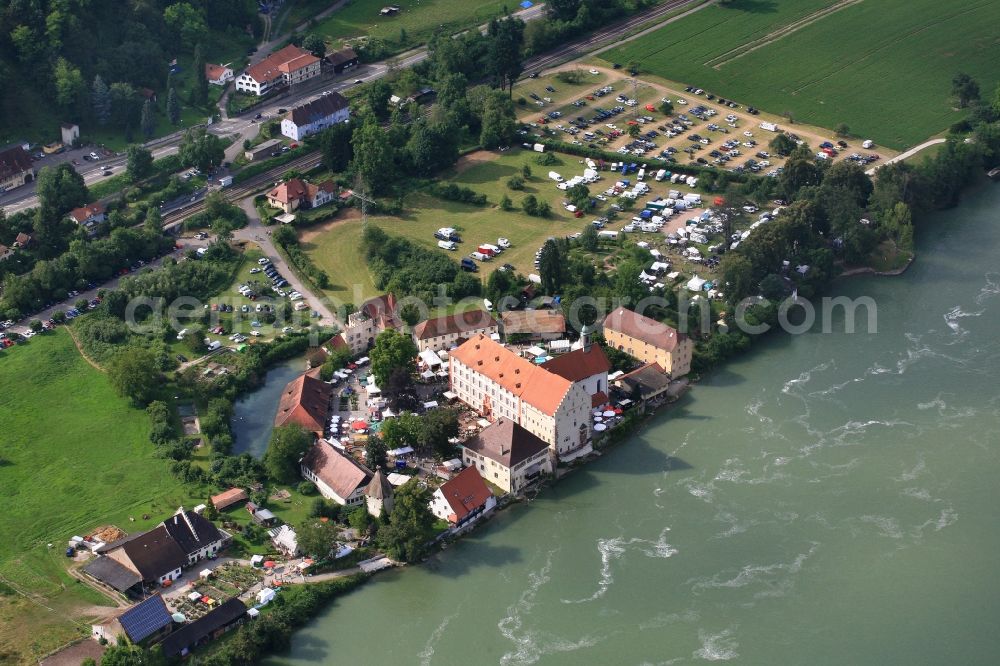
827	499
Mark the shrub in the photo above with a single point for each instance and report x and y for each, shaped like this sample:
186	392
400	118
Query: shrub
307	488
515	182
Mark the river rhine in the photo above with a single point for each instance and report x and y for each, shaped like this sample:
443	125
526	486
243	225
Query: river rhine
827	499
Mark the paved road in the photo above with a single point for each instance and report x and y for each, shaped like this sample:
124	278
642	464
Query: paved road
256	232
908	153
22	326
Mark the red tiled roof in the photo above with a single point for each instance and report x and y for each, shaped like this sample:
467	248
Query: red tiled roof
383	310
293	189
536	386
337	342
579	364
342	473
599	399
306	401
83	213
643	328
229	498
465	492
23	239
214	72
466	322
279	62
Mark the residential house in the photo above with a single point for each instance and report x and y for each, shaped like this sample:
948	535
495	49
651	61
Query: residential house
90	216
211	626
305	401
337	476
463	498
22	240
533	324
197	536
261	516
264	150
498	383
315	116
645	383
218	75
446	332
286	67
587	366
649	341
296	193
342	60
226	499
16	168
145	622
508	455
378	495
375	316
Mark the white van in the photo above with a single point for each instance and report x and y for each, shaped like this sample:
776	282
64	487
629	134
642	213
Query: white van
446	245
479	256
660	175
641	175
492	248
556	177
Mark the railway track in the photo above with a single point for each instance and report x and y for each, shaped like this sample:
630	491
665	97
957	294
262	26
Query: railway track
251	186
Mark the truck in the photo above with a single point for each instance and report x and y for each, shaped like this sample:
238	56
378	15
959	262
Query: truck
493	249
770	127
484	250
446	244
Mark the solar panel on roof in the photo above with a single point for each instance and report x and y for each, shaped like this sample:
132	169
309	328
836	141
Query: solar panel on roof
145	618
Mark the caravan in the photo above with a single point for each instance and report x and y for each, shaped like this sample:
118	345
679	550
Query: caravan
446	245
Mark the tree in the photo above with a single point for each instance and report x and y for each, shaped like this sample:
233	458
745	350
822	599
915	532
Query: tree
505	52
100	98
187	23
335	146
69	84
316	537
147	120
201	150
374	159
498	121
35	325
406	536
173	107
579	194
376	453
782	145
633	130
199	93
60	189
286	447
431	147
628	286
124	105
392	351
666	108
530	205
378	95
526	171
842	129
965	89
800	171
506	203
588	239
550	267
435	430
315	45
737	277
139	162
134	374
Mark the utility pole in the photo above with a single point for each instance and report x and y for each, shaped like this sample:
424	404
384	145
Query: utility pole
363	197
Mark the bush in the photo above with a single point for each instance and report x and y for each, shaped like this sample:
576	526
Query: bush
547	159
453	192
515	182
307	488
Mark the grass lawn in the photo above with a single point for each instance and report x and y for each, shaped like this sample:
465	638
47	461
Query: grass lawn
90	464
419	18
828	67
334	247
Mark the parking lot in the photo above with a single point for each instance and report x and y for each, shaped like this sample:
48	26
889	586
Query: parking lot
702	129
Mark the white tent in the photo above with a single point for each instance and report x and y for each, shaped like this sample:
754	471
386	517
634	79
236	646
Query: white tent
429	358
401	451
536	351
695	284
426	374
430	404
265	596
397	479
204	573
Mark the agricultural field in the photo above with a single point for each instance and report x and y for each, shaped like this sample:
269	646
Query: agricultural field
72	450
884	67
418	18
